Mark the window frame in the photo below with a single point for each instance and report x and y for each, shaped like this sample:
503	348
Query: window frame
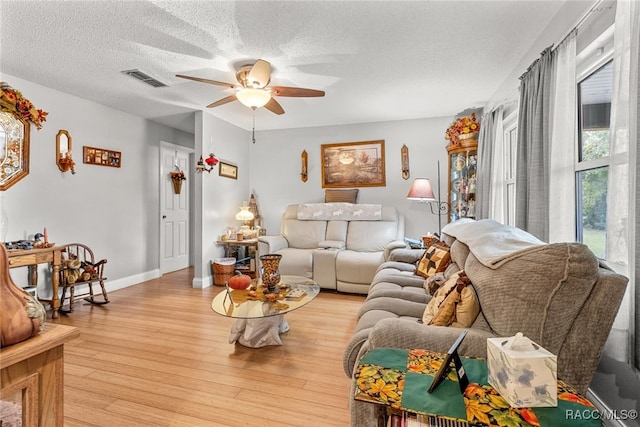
588	62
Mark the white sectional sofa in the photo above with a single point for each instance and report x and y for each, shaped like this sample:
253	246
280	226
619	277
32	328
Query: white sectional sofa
338	245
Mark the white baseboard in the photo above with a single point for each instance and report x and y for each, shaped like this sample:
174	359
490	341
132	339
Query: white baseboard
125	282
202	282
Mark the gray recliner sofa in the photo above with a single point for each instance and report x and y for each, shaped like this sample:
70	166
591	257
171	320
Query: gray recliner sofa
559	295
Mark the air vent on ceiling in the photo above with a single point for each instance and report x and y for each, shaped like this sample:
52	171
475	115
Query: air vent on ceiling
137	74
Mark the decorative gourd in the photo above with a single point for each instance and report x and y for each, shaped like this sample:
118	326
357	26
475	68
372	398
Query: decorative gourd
239	281
21	315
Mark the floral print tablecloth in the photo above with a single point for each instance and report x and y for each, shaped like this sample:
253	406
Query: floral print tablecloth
400	379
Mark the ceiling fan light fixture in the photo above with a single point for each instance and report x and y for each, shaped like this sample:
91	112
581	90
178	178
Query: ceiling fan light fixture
253	98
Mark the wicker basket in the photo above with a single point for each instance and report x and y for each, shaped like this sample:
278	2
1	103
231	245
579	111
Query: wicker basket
222	269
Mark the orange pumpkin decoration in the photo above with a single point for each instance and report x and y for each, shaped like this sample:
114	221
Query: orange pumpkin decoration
239	281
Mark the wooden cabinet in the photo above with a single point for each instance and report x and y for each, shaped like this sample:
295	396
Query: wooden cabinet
32	376
462	177
246	254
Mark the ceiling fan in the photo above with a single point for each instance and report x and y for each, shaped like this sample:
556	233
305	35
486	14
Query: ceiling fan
253	88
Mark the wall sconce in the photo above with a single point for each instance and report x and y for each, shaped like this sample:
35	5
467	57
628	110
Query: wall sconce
303	170
404	154
210	161
421	191
64	159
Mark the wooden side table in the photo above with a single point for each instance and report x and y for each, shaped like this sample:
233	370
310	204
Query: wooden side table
246	254
33	257
32	375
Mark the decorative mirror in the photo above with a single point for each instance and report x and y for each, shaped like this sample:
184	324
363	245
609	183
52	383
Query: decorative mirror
14	150
63	152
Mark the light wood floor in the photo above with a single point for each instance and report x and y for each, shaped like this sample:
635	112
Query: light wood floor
158	356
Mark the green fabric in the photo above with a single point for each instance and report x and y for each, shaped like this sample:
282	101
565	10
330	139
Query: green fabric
390	358
401	379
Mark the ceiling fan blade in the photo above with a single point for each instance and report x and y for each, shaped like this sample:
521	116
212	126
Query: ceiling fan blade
274	107
295	91
222	101
260	74
201	80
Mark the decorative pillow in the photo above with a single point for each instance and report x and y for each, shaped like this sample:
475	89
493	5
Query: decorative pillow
429	240
435	259
467	309
453	305
433	283
437	299
341	196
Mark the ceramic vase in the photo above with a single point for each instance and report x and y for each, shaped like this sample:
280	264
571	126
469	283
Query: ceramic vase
270	271
22	315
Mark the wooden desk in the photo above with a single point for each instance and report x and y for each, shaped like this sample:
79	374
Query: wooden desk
31	258
32	374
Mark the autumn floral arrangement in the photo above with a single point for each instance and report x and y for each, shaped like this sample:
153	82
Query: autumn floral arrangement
177	175
462	128
12	101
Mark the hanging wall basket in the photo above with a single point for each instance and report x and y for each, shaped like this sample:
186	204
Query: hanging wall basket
177	185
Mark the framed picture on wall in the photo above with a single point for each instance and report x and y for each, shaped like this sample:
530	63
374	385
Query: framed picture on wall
228	170
353	164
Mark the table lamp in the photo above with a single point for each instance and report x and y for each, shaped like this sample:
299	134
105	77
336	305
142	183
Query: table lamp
245	216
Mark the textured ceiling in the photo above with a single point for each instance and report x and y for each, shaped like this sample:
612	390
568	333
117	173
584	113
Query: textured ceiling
376	61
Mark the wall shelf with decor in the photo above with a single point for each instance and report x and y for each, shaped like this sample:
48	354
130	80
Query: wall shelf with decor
462	176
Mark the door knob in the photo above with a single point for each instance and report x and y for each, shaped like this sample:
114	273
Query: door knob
164	217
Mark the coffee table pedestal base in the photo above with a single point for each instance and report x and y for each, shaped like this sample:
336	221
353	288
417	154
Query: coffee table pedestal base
256	333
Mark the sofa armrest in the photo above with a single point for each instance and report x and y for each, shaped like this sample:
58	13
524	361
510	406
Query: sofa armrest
410	256
272	244
405	333
393	246
331	244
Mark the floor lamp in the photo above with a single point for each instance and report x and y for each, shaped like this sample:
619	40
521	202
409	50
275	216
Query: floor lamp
422	191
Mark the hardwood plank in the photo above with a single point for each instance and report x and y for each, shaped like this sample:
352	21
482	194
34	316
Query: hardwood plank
158	355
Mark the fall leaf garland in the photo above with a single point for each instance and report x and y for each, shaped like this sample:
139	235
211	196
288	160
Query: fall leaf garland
12	101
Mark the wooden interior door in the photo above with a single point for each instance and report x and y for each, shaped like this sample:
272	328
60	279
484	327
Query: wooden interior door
174	234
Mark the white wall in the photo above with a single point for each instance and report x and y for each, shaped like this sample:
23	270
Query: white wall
217	198
113	210
275	167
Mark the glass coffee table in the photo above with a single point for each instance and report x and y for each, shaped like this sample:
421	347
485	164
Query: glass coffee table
260	317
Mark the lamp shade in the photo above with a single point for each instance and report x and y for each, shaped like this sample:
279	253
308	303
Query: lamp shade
245	214
421	190
253	98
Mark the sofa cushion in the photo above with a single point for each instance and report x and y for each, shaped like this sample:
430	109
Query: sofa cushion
304	234
296	262
436	258
338	196
357	267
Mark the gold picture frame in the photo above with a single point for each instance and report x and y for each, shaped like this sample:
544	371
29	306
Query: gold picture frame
353	164
228	170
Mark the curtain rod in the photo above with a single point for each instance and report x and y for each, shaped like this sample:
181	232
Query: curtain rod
583	18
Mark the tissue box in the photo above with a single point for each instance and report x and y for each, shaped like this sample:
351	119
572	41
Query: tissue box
524	378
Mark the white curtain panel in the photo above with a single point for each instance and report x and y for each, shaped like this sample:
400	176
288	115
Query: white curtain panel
622	169
562	151
622	221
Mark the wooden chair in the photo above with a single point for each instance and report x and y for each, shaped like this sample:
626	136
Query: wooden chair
79	268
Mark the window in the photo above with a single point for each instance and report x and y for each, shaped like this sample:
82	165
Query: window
510	140
594	114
